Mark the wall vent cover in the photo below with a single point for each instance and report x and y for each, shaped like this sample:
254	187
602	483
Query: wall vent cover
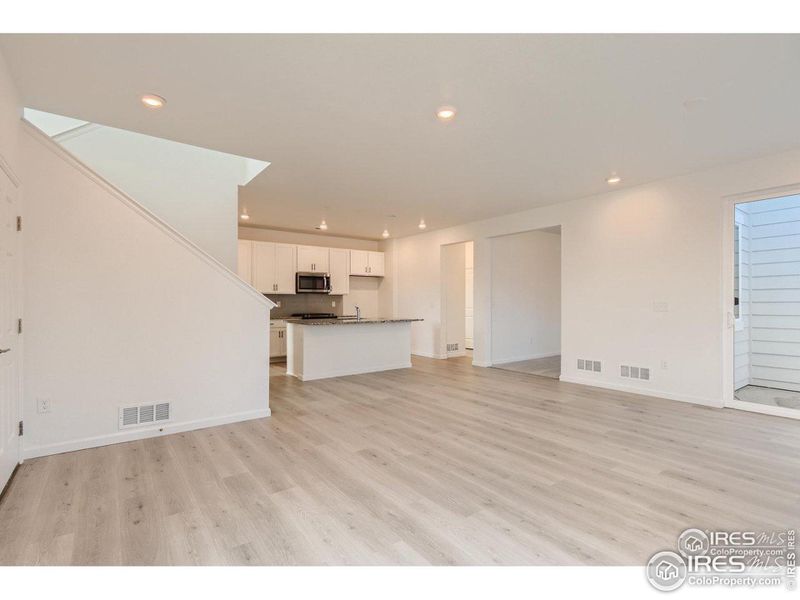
585	364
630	372
452	347
145	414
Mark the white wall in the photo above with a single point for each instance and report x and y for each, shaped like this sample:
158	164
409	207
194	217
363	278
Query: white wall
194	190
454	286
120	311
775	305
626	255
526	296
364	293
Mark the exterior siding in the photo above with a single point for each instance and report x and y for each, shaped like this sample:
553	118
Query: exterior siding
775	307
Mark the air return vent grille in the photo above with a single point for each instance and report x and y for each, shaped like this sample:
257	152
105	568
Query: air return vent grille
146	414
632	372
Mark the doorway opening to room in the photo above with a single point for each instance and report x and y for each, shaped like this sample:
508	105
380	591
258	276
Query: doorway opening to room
765	307
457	295
526	302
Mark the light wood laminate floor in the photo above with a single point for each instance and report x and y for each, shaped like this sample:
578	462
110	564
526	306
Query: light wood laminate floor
444	463
549	366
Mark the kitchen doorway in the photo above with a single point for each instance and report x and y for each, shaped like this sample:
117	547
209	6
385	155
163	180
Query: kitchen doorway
526	302
457	299
764	309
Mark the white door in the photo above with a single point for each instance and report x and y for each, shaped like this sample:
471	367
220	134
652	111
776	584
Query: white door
10	302
376	264
285	268
359	262
340	271
244	265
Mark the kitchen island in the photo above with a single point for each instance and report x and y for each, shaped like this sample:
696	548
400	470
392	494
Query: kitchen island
322	348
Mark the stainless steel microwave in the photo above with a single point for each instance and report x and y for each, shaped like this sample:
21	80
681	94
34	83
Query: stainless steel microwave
313	283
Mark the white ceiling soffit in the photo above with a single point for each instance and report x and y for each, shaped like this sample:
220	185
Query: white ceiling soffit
348	122
116	143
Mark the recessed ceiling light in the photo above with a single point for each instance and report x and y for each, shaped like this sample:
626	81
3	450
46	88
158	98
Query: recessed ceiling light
614	179
244	216
153	101
385	233
446	113
422	224
323	225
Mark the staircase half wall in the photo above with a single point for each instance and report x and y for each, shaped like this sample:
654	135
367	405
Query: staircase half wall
121	310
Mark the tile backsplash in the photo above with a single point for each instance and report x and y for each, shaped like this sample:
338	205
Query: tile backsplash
304	303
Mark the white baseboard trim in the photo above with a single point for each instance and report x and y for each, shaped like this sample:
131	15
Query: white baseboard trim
346	372
428	354
456	354
505	361
642	392
120	437
481	363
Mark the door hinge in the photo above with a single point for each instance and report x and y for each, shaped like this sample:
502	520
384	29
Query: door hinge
21	429
19	325
19	223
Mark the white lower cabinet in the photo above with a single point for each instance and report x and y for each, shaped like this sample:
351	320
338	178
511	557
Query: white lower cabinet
277	342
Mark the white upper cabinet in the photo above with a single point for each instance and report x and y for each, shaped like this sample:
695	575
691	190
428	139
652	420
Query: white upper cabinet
244	264
359	262
340	271
285	268
376	264
366	263
274	267
312	259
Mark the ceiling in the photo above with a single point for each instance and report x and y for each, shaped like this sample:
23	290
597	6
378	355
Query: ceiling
347	121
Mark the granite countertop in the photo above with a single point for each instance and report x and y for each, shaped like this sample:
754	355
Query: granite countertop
340	321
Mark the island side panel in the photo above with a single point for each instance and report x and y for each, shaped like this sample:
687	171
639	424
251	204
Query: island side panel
336	350
294	350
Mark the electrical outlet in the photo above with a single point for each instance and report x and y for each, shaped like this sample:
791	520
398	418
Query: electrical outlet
664	365
43	405
333	303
